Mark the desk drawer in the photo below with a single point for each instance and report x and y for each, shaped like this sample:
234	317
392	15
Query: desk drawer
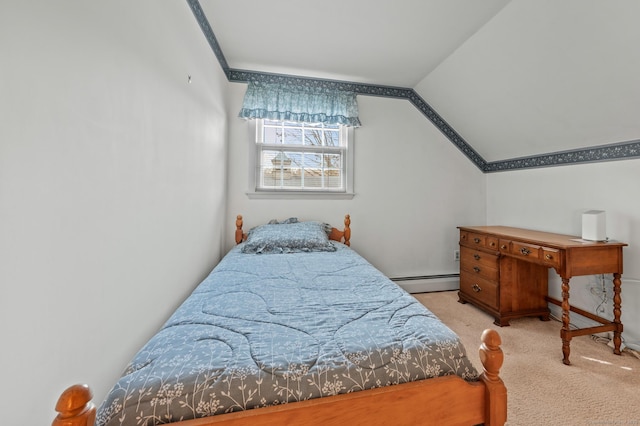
482	271
479	240
551	257
535	253
470	256
524	250
478	288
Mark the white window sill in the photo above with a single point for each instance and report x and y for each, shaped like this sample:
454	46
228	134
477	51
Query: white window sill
299	195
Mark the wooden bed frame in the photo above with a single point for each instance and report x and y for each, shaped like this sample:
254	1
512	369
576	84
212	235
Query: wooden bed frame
447	400
343	236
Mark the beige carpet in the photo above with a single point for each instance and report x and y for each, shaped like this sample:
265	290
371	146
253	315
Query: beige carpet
599	388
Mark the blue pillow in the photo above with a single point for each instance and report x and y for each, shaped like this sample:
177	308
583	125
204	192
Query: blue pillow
288	238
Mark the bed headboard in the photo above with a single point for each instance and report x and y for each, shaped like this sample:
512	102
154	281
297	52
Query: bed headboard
343	236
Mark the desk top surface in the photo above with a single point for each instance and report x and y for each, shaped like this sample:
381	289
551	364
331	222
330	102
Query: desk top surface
539	237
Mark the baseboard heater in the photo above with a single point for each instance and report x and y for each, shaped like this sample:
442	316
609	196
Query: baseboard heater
429	283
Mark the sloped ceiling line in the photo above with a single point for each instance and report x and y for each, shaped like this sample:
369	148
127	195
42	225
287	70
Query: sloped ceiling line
208	34
619	151
446	129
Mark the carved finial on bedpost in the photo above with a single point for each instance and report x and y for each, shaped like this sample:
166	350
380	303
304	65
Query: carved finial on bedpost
239	234
75	407
347	230
492	357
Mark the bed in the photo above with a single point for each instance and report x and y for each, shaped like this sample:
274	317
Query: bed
294	327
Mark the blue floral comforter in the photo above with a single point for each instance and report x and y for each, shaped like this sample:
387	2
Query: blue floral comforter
269	329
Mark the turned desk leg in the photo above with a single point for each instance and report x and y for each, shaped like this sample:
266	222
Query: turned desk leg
617	302
565	333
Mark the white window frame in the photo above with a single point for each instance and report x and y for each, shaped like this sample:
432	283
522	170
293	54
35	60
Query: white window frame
256	146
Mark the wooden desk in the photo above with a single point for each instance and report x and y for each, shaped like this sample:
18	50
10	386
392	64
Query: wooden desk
503	271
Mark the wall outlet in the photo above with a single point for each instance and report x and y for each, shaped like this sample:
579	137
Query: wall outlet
456	255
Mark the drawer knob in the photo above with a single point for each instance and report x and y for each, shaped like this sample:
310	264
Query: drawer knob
548	256
503	247
476	256
475	268
525	251
476	240
476	288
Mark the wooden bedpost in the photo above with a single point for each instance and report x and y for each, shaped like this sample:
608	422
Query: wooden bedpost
347	230
491	356
75	408
344	235
239	234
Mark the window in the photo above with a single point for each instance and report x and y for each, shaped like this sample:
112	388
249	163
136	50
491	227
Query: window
294	159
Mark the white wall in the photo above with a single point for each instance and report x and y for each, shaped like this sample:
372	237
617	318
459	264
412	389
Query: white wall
413	187
112	188
553	200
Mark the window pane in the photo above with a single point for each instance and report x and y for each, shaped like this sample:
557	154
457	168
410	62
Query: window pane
333	179
272	135
279	169
293	136
293	182
313	178
313	137
312	161
332	138
333	170
332	161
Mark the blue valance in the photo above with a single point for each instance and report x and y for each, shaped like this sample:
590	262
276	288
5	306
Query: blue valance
301	103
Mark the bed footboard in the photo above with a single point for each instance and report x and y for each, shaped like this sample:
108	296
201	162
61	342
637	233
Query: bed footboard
445	400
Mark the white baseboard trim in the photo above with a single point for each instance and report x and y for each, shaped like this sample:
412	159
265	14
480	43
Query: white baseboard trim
428	283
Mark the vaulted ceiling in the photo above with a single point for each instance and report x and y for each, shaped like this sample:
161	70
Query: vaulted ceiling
395	43
524	83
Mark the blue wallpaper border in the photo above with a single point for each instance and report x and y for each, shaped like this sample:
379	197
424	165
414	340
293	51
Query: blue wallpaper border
609	152
595	154
208	34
